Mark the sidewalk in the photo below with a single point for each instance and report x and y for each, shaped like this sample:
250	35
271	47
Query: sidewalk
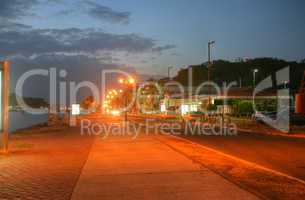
43	164
145	168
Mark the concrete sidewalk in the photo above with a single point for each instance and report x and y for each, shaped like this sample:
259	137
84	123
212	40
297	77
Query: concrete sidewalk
121	168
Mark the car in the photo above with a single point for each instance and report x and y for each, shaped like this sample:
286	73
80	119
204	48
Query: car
261	116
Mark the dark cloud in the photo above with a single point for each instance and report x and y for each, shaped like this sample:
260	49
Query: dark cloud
159	49
15	9
38	41
12	26
107	14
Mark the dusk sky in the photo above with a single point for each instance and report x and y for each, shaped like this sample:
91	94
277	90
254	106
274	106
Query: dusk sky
152	35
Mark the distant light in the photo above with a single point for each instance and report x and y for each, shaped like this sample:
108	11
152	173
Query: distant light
121	80
121	91
115	112
75	109
163	108
184	109
131	81
255	70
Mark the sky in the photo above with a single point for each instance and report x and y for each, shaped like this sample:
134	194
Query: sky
149	35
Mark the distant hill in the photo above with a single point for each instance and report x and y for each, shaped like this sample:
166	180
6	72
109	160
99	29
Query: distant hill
33	102
226	71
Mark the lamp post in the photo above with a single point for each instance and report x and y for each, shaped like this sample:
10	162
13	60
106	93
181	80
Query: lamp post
4	95
285	84
210	43
254	77
168	72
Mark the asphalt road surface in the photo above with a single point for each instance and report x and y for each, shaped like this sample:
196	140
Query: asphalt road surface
283	154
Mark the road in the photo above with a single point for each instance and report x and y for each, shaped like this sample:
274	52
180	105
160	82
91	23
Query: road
283	154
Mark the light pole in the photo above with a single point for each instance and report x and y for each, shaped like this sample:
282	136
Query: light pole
210	43
169	72
285	84
254	77
4	84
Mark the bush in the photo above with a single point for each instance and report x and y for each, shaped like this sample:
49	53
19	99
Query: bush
245	108
212	107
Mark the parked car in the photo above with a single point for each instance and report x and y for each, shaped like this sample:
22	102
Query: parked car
261	116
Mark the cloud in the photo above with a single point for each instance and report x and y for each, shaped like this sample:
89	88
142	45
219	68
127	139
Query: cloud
107	14
159	49
15	9
12	26
39	41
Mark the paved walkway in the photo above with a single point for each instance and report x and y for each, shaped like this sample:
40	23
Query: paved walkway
145	168
43	165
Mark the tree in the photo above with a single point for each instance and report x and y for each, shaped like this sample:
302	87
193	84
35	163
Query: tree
88	102
226	71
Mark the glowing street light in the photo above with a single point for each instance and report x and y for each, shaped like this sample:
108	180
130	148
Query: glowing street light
128	81
121	80
131	81
285	84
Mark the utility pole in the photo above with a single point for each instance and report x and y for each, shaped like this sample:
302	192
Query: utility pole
5	105
210	43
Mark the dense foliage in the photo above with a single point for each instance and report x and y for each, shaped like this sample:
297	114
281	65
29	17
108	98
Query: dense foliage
226	71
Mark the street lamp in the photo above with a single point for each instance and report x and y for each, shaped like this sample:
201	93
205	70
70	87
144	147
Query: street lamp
210	43
169	72
121	80
254	77
285	84
131	81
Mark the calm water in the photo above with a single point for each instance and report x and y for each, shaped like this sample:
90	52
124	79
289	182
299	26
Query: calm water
20	120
